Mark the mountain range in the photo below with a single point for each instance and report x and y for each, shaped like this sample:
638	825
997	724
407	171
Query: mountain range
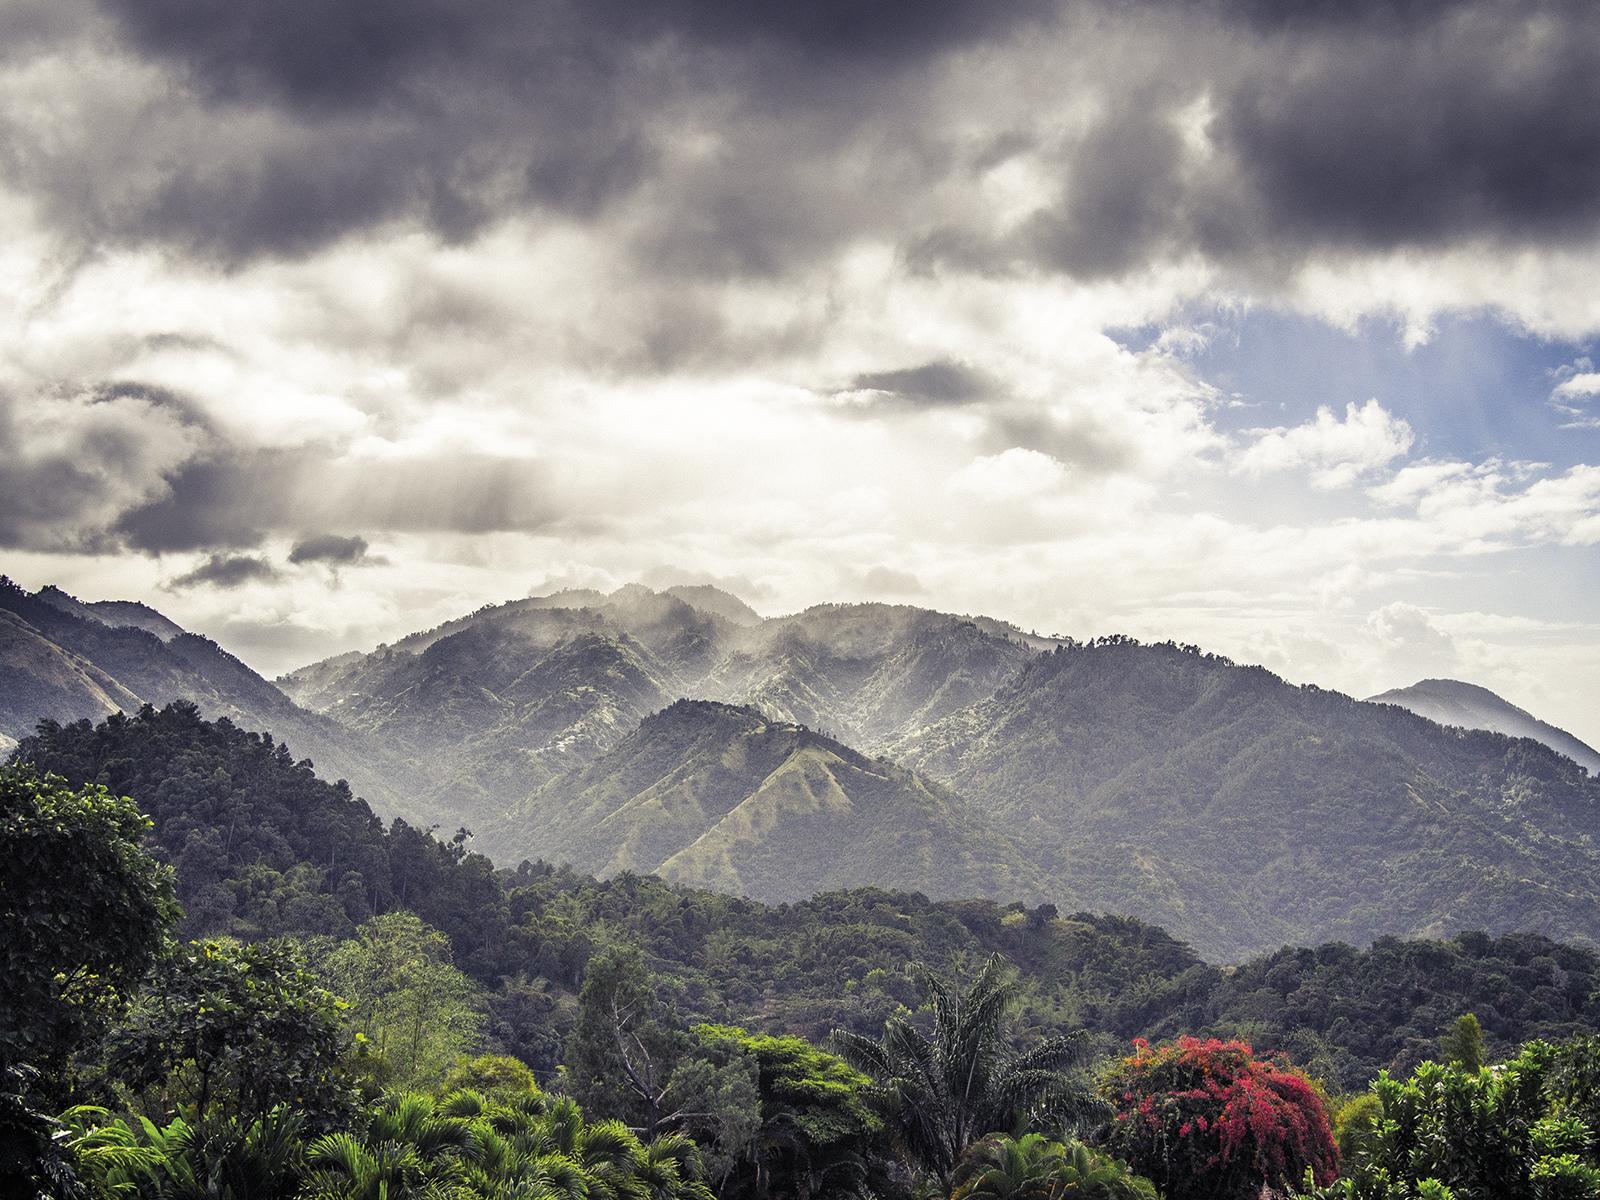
681	733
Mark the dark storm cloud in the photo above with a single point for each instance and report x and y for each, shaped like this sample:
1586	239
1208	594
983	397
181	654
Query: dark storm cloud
226	571
221	501
319	54
936	384
1360	124
1124	196
1367	126
334	116
235	499
1491	127
332	549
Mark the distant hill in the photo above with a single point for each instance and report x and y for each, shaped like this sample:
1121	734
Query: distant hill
1242	812
718	796
1452	702
64	660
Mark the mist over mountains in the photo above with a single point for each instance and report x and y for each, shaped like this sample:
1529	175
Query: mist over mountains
681	733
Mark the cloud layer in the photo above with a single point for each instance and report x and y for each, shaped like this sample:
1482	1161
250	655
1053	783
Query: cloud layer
896	300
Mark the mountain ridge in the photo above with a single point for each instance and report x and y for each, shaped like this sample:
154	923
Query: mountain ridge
851	744
1470	706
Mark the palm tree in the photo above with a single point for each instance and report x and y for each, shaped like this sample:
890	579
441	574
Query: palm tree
1088	1175
1002	1168
1034	1168
941	1091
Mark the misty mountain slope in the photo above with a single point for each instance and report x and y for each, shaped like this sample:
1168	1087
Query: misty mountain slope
492	711
116	613
723	797
1239	811
865	672
476	703
714	600
56	663
1452	702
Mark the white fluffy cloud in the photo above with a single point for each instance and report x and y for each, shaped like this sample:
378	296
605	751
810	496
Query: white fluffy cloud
1337	452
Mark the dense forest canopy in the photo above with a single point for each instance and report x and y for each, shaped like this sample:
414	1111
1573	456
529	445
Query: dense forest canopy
263	847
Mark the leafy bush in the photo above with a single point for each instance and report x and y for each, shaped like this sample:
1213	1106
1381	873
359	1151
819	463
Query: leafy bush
1208	1120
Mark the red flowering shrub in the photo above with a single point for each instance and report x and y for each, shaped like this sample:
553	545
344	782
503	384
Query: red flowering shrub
1211	1121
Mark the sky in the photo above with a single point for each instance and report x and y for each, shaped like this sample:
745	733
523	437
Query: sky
1271	327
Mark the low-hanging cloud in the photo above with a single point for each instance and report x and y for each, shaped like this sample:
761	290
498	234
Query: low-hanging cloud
226	571
332	549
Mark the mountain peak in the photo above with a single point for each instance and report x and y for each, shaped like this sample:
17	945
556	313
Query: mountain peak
711	599
1471	706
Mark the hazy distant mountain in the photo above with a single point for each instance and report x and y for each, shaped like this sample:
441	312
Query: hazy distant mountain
63	659
1242	812
722	797
116	613
490	707
716	601
1155	780
1452	702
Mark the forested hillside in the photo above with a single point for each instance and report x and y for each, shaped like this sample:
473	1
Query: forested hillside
723	797
1242	812
263	847
62	659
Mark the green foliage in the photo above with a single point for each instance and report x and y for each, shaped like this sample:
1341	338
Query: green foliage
627	1040
813	1131
941	1090
497	1076
229	1033
1528	1129
1031	1167
232	1159
83	907
466	1148
412	1011
1463	1045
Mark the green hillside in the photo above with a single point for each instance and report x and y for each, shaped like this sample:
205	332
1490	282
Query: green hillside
719	796
1242	812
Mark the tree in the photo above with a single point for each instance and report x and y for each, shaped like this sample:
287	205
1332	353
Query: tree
1463	1045
1529	1129
627	1040
84	909
83	913
1033	1168
943	1090
412	1012
812	1129
228	1033
1208	1120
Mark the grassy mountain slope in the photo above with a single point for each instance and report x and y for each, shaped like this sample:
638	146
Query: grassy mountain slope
720	796
1242	812
1452	702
